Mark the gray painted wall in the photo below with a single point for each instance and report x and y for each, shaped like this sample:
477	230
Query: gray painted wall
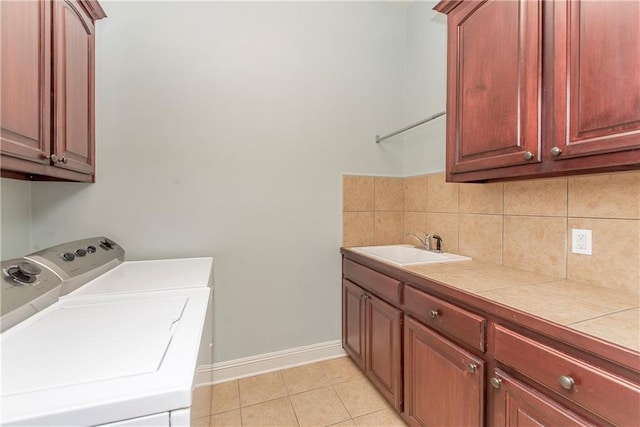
15	218
223	129
425	89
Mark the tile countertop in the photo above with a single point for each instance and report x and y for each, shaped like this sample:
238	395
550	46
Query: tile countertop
595	310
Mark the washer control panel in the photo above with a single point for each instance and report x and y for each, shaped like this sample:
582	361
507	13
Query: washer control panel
75	258
32	283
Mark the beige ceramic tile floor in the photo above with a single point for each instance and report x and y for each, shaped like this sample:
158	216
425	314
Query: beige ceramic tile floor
329	393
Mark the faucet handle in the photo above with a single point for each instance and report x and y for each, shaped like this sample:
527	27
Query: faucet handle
427	240
423	243
438	240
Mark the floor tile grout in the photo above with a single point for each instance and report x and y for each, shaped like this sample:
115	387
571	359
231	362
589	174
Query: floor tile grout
331	383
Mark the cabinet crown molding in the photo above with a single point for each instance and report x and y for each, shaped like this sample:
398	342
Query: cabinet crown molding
446	6
93	9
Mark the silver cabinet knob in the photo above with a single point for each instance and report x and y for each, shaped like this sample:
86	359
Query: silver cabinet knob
433	314
53	158
528	155
555	151
566	382
495	382
64	160
472	367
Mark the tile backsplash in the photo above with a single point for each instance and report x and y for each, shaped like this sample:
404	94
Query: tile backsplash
521	224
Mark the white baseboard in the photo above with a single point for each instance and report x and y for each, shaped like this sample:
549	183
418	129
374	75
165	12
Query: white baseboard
268	362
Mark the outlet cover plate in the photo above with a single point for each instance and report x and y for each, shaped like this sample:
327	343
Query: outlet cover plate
581	241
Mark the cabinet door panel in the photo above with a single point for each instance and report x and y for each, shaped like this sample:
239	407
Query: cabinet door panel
596	84
74	88
353	321
494	77
383	344
517	405
25	110
440	389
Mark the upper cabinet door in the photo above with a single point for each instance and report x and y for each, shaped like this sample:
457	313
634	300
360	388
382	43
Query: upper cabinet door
25	110
494	79
74	87
596	80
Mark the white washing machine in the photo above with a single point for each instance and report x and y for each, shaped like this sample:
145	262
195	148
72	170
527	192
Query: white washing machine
100	341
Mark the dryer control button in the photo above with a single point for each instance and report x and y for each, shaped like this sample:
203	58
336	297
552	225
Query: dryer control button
68	256
108	243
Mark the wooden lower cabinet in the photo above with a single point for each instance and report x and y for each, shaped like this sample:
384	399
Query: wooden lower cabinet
441	362
517	405
443	384
383	344
567	378
353	330
371	335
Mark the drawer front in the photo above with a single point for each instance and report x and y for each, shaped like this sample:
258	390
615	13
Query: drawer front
384	286
598	391
453	321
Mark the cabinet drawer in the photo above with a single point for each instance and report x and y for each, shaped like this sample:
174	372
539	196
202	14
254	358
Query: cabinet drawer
384	286
598	391
453	321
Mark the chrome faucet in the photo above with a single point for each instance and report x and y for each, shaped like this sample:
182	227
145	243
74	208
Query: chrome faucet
424	243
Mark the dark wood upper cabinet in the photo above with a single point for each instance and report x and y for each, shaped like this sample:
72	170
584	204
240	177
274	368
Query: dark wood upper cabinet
47	82
539	88
594	83
494	63
25	58
74	87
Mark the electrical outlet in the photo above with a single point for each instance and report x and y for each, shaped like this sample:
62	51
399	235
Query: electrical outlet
581	241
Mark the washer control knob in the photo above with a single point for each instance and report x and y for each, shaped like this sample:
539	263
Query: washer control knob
29	269
81	252
24	272
91	249
68	256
